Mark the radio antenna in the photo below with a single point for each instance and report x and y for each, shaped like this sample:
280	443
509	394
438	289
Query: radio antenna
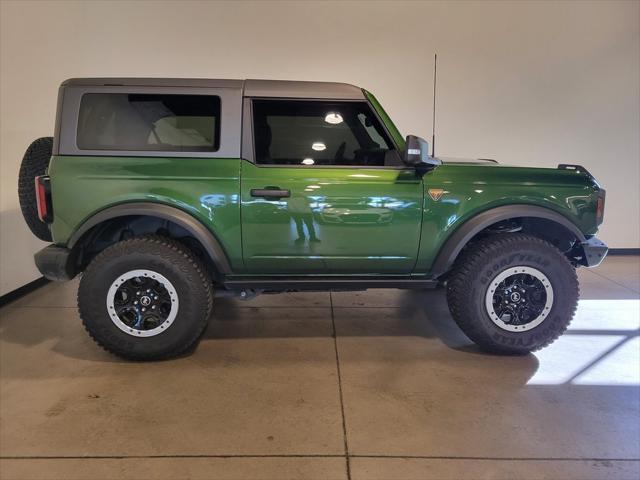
433	131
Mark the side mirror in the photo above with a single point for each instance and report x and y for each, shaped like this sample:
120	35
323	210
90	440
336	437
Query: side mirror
416	153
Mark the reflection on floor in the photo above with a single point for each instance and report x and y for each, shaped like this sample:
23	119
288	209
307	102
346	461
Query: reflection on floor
600	347
399	392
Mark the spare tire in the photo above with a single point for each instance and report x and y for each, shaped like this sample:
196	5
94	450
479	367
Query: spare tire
35	162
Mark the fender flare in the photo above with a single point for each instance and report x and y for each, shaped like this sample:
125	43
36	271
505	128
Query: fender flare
179	217
465	232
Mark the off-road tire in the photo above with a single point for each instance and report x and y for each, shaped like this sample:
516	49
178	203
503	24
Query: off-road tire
34	163
481	263
167	257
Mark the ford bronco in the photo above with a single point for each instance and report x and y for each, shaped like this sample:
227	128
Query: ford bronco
161	192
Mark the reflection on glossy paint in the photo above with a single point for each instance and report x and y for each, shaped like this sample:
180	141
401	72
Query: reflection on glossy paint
364	220
375	209
301	211
396	204
216	200
362	175
212	202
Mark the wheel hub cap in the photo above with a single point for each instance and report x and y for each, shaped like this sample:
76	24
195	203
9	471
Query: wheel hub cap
142	303
519	298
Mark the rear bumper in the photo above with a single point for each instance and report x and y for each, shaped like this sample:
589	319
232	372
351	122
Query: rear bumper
56	263
593	252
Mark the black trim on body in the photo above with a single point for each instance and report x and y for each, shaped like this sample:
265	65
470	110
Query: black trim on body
166	212
279	283
274	193
460	237
593	252
56	263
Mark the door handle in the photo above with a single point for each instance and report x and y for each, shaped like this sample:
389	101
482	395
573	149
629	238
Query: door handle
270	192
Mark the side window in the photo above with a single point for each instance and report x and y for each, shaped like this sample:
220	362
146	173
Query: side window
295	132
149	122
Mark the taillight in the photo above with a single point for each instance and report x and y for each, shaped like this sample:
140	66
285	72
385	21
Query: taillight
600	206
43	198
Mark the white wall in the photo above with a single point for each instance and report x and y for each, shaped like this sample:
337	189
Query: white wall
528	83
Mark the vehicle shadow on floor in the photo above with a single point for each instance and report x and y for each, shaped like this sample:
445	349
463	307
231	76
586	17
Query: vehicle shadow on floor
420	313
417	314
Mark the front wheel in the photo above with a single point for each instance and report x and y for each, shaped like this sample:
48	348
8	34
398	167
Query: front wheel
513	293
146	298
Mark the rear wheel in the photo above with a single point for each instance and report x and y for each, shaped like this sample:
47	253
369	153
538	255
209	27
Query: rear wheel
513	293
145	298
34	163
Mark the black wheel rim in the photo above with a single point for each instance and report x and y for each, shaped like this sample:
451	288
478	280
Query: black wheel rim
142	303
519	298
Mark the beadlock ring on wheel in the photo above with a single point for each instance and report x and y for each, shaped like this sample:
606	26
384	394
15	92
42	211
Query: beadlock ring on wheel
519	293
140	297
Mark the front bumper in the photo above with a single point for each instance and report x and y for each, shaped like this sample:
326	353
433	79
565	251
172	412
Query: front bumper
56	263
592	252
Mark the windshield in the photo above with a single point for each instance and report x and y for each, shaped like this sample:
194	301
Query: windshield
393	130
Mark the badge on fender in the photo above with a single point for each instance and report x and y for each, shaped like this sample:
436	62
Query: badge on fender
436	193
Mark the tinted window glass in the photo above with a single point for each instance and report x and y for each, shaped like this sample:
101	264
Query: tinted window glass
289	132
142	122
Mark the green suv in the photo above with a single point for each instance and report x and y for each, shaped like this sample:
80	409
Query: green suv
164	193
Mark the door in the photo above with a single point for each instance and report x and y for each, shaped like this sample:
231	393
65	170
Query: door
326	192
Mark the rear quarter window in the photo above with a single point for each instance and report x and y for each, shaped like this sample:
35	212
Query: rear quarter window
149	122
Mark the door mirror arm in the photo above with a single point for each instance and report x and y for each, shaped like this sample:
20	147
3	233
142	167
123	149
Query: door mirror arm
416	154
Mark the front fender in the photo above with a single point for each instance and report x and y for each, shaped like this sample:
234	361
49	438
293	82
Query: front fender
469	229
464	192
